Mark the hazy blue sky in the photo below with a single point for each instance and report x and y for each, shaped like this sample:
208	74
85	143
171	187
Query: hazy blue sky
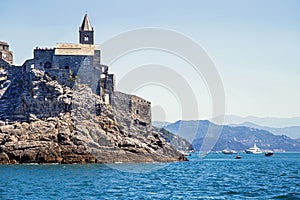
255	44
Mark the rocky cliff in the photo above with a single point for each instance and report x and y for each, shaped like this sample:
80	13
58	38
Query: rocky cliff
176	141
59	124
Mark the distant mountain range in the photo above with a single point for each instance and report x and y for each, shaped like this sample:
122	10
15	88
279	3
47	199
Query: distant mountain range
278	126
292	131
233	137
274	122
160	124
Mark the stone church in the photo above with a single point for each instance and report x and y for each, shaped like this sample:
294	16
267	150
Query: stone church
67	63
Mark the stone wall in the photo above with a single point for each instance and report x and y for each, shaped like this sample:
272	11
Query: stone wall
122	102
3	70
140	110
131	111
28	65
81	68
14	72
43	58
68	62
62	76
111	83
97	58
108	84
5	53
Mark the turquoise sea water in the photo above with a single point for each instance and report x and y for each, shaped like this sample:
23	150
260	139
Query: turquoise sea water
217	176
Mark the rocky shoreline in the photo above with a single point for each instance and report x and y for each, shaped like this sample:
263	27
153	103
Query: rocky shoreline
59	140
72	125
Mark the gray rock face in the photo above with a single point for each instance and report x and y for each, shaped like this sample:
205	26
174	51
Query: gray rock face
68	140
58	124
175	141
33	94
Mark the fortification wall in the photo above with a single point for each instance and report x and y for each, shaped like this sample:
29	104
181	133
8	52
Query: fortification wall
68	62
5	53
80	68
121	101
3	70
62	76
43	58
111	83
141	110
132	109
97	58
108	84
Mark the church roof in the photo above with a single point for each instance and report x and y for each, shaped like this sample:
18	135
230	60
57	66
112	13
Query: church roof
75	49
86	25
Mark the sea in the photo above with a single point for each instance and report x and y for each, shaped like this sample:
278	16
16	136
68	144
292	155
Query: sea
212	176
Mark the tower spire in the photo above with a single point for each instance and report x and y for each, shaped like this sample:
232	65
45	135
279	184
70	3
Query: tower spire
86	25
86	31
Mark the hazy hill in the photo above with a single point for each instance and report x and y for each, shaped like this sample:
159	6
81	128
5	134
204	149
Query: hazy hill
275	122
238	138
160	124
292	131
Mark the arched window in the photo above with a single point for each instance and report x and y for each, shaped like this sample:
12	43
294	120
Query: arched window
47	65
86	38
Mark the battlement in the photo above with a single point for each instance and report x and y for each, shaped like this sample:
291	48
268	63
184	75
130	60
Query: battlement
133	107
43	49
5	53
4	46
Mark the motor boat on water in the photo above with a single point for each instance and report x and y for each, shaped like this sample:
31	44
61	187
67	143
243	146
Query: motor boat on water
269	153
228	151
185	153
254	150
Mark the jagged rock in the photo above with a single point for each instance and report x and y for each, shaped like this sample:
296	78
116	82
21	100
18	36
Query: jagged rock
89	142
6	128
4	159
182	158
33	118
64	125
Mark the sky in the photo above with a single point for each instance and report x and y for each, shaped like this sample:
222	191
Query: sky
254	45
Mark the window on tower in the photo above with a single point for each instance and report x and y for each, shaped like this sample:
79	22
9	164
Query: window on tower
86	38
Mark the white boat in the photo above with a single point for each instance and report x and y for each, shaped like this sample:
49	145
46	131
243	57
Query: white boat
254	150
228	151
185	153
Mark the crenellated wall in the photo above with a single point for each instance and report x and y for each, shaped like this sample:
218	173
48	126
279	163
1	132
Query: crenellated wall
5	53
140	110
132	110
43	58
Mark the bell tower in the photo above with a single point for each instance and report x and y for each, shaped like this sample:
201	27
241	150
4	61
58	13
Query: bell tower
86	32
